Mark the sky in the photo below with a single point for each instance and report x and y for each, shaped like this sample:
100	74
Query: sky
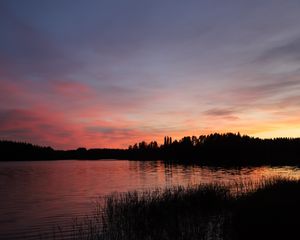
95	73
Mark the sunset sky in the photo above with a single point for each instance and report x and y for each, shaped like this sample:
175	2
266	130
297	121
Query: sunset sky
110	73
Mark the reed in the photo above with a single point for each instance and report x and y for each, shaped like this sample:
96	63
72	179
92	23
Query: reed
265	210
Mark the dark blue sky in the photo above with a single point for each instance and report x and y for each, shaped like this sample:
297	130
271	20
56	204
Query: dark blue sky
108	73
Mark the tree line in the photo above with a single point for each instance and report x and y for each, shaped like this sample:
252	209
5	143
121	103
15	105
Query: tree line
223	149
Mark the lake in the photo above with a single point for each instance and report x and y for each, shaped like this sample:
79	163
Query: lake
38	196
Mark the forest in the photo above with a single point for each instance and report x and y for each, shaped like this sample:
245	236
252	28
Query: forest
215	149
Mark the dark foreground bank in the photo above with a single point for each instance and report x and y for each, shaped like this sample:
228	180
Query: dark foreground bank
271	211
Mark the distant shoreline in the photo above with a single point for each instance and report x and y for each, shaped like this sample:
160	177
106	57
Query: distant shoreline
215	149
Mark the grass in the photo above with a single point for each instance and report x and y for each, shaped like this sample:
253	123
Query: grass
271	210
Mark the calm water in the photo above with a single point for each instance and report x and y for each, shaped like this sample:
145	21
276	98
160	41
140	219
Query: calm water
36	197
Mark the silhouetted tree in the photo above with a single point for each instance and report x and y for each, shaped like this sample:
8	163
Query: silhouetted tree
226	149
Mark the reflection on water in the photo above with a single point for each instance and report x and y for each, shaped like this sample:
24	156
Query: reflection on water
37	196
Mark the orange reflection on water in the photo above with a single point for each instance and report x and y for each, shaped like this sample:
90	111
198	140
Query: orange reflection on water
39	195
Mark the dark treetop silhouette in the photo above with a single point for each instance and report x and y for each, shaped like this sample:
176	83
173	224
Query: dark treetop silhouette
223	149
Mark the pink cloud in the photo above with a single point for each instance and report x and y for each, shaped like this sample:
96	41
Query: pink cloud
71	89
39	126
